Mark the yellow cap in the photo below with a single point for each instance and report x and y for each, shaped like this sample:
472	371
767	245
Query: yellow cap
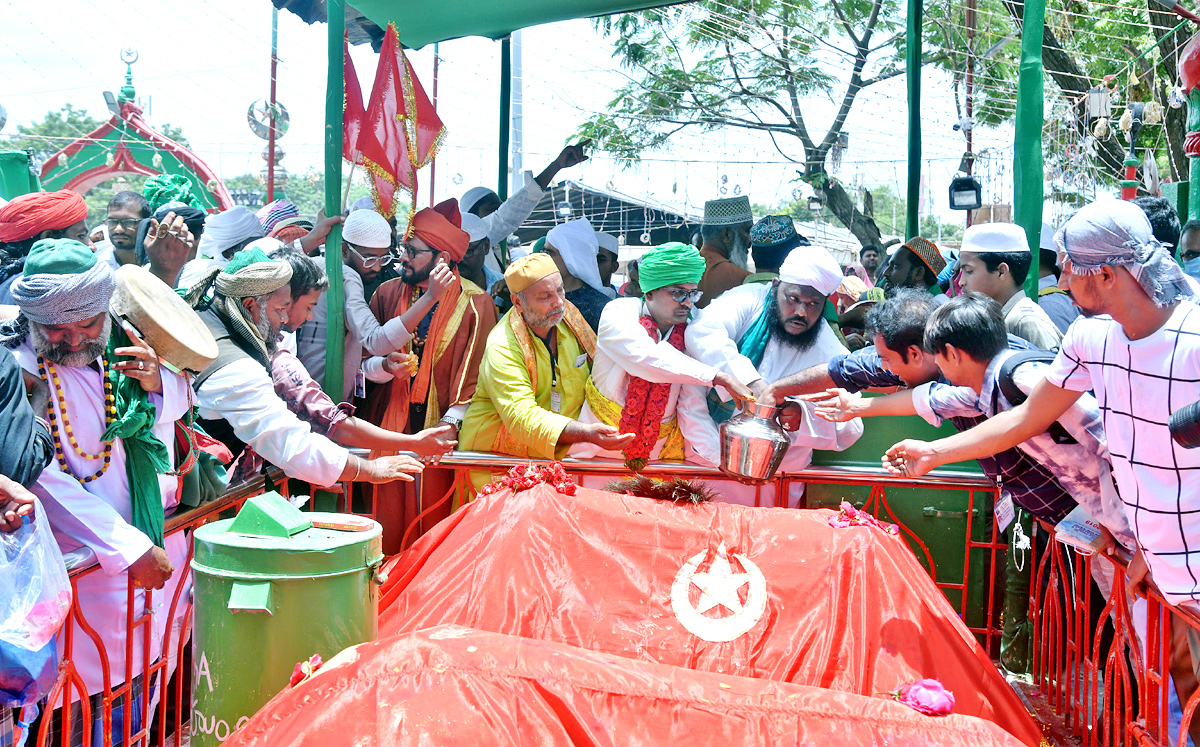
528	270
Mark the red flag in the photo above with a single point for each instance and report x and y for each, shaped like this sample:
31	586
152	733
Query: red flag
353	109
383	140
426	130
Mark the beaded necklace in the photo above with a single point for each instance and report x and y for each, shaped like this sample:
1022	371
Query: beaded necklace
49	374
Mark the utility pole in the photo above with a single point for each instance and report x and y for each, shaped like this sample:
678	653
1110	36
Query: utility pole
518	118
271	135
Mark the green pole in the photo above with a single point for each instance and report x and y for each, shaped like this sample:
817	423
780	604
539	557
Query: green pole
1027	147
505	113
335	87
913	218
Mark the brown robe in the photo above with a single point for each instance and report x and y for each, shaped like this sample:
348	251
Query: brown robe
720	274
397	504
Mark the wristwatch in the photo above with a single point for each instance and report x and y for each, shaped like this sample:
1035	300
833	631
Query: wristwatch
456	422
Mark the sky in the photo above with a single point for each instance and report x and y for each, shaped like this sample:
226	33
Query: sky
202	63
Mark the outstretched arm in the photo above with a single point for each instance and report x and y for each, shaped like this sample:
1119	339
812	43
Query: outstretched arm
1046	404
838	405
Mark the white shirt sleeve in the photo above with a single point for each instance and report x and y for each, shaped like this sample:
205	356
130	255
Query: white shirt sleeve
373	369
699	431
378	339
816	432
936	401
622	337
513	212
77	514
712	337
242	393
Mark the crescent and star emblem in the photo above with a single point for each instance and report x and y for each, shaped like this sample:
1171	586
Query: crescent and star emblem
719	613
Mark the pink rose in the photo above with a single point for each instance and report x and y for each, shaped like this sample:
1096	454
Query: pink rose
927	696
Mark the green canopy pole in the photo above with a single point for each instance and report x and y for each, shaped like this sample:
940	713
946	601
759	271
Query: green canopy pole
505	114
1027	147
913	216
335	87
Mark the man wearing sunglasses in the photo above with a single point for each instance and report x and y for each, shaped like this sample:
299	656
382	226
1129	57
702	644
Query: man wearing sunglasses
448	319
126	211
641	361
760	334
366	252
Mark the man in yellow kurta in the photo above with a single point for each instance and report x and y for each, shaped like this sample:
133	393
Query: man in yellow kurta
531	381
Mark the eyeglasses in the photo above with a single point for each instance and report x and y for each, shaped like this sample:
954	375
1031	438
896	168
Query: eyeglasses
412	252
129	224
371	262
679	295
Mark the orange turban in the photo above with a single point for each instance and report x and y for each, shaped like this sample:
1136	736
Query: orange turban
441	228
28	215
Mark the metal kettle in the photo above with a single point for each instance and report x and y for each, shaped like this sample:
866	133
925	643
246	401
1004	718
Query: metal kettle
753	444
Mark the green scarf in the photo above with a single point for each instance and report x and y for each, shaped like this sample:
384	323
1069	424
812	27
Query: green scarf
753	344
146	457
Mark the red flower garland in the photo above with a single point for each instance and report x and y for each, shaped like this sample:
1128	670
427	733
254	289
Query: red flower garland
525	476
645	403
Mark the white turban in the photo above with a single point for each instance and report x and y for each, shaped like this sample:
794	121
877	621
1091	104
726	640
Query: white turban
472	197
228	229
576	242
811	266
475	227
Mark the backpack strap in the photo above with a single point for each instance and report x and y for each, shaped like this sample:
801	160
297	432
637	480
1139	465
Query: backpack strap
1008	386
1050	289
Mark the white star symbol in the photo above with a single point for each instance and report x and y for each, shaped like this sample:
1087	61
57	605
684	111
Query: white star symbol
719	584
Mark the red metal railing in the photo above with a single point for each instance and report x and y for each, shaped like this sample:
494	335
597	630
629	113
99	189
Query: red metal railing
70	687
1102	676
1094	680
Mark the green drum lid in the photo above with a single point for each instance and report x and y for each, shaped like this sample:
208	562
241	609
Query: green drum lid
274	544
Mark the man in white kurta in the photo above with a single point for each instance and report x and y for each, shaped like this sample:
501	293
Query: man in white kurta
642	339
63	330
759	334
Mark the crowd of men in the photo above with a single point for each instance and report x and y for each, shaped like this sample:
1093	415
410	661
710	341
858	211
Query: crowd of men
457	337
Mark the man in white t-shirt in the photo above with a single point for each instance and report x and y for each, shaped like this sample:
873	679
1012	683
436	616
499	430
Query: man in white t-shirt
1138	349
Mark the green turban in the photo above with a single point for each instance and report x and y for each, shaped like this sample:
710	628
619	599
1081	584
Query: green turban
164	188
670	264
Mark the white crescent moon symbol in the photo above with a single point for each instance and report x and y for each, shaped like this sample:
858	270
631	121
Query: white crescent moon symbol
723	629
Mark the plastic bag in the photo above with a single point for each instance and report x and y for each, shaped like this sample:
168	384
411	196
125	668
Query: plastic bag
35	593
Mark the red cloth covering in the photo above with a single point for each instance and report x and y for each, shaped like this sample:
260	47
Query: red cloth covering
456	686
28	215
847	609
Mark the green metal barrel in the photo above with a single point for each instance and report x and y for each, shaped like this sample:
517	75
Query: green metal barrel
272	587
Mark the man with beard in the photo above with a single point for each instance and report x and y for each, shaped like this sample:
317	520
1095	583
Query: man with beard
109	495
126	211
641	364
758	334
916	264
447	338
235	397
366	252
225	234
533	375
726	238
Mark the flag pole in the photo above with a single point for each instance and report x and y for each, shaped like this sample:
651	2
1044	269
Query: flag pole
335	86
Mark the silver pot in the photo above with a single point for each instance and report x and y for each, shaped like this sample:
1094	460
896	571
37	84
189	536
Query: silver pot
753	444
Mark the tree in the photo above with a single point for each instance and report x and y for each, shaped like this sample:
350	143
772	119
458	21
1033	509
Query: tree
306	191
750	64
889	212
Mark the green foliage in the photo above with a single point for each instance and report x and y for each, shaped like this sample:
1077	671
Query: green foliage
307	191
53	133
890	213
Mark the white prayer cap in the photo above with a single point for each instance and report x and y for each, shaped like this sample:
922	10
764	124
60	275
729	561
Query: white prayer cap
227	229
576	242
362	203
1047	239
472	197
812	266
984	238
475	227
267	244
608	242
367	228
